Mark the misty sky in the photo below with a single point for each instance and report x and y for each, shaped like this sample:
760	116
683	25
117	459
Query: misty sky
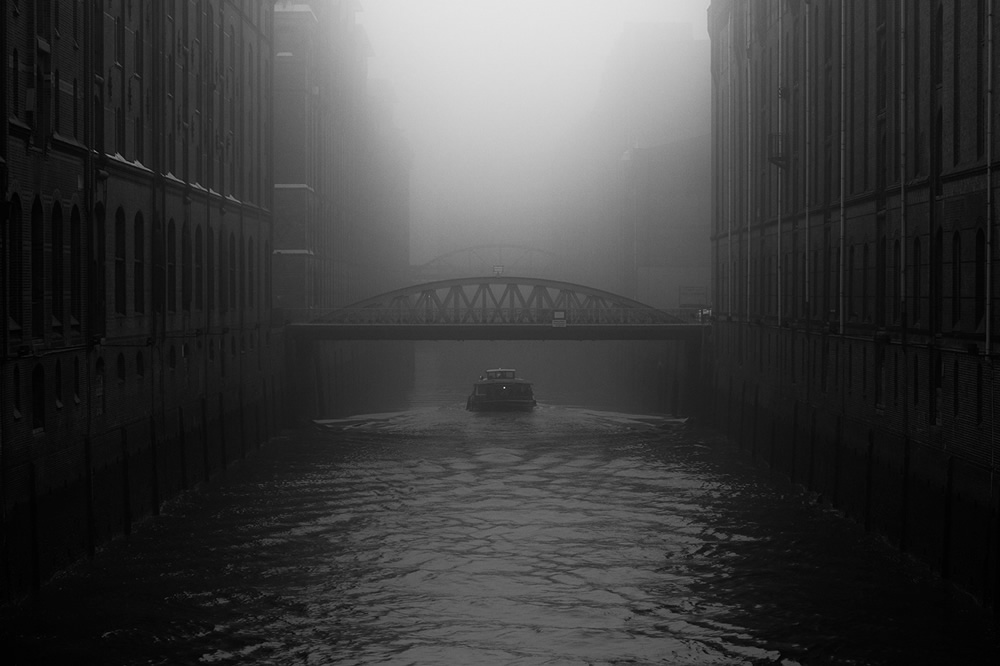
484	89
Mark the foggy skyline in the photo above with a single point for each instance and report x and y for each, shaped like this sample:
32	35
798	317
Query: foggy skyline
486	92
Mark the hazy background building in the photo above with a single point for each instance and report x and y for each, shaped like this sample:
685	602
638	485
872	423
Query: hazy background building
630	190
341	167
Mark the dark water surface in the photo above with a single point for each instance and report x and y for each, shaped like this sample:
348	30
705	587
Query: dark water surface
438	536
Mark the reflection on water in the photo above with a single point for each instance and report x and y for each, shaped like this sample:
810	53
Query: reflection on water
440	536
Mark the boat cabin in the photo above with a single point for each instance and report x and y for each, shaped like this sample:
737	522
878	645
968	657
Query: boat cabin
501	389
500	373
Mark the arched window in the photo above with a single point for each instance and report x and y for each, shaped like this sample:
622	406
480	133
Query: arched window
243	276
171	266
76	104
897	281
232	270
120	277
139	263
99	387
267	274
223	272
15	87
865	281
38	397
57	385
210	252
881	257
186	267
980	276
120	365
13	278
937	277
956	63
37	270
75	270
56	101
198	269
98	124
917	281
98	282
159	270
955	394
852	311
250	274
16	397
58	268
937	47
956	279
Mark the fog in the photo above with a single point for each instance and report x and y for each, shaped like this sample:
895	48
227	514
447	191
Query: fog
499	99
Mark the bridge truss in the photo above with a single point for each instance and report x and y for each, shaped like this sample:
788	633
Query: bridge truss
497	308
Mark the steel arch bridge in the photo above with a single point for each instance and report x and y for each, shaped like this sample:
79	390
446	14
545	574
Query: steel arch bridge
497	308
484	259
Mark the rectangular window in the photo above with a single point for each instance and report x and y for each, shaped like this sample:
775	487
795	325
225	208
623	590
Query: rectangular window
119	40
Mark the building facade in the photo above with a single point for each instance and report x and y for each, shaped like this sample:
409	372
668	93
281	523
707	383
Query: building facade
629	193
341	168
137	355
854	261
341	204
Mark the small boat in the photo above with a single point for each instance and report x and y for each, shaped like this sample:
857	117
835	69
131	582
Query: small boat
500	389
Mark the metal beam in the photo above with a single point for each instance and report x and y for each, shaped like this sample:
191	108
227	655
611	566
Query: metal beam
323	331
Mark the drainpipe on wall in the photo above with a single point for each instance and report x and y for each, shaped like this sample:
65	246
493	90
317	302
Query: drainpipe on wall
988	346
806	128
779	265
902	167
989	240
91	70
729	143
843	166
750	192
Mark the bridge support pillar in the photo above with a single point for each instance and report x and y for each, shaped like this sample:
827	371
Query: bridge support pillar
693	395
301	382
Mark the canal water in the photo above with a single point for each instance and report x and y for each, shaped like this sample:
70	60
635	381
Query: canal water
439	536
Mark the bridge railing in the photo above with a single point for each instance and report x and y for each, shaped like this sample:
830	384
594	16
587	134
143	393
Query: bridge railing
410	316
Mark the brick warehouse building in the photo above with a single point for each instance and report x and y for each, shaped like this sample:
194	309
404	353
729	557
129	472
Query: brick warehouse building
341	168
854	260
137	353
341	174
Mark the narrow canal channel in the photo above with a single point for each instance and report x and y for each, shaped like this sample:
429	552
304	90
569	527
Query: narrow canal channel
439	536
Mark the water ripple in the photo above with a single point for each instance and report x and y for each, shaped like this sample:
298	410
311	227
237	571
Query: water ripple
437	536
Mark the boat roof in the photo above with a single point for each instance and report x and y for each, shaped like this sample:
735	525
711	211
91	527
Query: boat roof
502	374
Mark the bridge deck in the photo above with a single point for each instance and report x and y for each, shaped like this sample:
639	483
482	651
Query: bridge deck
327	331
496	308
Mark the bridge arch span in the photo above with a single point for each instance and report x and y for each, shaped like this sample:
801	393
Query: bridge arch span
499	300
484	260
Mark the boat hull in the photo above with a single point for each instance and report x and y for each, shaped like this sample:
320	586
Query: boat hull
478	404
